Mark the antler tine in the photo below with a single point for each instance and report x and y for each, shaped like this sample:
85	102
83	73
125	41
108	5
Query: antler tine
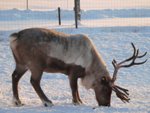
130	58
115	70
114	63
133	58
121	93
135	51
142	55
123	89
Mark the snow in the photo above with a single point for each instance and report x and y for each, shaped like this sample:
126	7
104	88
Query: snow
15	14
112	31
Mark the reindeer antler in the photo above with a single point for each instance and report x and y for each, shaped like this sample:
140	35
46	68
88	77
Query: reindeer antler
121	92
135	55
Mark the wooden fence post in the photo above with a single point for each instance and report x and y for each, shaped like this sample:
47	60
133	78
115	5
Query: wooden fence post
77	12
76	15
59	16
27	4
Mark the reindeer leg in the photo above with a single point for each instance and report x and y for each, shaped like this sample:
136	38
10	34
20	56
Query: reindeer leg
78	97
75	73
17	74
74	88
35	81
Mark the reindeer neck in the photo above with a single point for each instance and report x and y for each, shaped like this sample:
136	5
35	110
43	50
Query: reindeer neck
98	66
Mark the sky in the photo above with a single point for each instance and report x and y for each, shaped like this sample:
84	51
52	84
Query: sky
68	4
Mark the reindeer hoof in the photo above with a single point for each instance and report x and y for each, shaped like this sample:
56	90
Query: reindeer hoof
48	104
17	103
81	102
77	103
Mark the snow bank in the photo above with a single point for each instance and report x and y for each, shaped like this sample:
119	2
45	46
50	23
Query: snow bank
15	14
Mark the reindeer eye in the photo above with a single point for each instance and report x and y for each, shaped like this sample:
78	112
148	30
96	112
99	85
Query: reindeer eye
103	80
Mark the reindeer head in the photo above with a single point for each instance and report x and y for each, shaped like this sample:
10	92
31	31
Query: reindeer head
107	84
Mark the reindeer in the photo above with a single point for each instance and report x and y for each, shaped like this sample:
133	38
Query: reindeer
41	50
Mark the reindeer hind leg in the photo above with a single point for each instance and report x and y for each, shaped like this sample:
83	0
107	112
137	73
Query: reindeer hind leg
16	75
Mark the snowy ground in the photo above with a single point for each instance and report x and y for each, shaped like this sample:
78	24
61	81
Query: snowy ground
111	32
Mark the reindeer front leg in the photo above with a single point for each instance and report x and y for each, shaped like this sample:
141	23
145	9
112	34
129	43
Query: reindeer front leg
35	81
74	74
74	88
